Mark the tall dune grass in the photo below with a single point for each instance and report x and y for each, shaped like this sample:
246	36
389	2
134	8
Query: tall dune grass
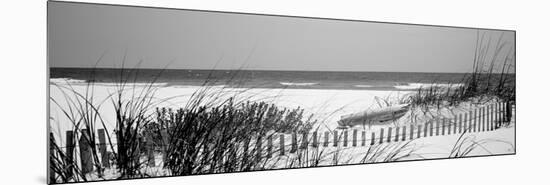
483	81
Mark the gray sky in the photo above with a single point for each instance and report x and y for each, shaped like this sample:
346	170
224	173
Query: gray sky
80	33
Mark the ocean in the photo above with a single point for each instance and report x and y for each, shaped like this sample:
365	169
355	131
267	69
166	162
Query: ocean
392	81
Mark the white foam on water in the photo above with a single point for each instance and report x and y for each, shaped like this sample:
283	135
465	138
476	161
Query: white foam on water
363	86
66	80
297	84
84	82
414	86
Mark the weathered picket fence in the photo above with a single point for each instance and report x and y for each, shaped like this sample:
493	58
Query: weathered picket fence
482	119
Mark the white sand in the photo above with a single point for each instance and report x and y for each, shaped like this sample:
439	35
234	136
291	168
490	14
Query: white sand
326	105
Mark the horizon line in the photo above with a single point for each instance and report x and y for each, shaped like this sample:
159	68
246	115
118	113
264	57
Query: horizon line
270	70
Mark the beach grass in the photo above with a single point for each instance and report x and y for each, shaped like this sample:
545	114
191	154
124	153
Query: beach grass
481	84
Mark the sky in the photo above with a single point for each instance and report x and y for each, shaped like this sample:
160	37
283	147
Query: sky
88	35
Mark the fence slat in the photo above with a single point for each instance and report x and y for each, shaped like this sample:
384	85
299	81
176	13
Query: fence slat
389	134
85	152
150	150
443	122
448	122
499	114
508	112
470	121
314	137
460	123
345	138
396	133
404	136
492	113
245	151
475	121
69	150
363	138
282	144
269	146
294	144
335	143
493	116
426	130
381	135
259	148
455	124
304	141
482	118
51	173
103	148
487	119
326	139
431	128
437	127
372	138
411	132
419	131
354	141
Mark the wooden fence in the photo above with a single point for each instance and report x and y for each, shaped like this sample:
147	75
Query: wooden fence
481	119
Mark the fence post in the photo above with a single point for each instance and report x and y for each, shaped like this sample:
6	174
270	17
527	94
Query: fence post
363	138
304	140
269	146
326	139
345	138
389	134
69	151
103	148
404	136
396	133
335	143
294	144
381	135
354	141
52	152
282	144
372	138
411	132
315	143
85	152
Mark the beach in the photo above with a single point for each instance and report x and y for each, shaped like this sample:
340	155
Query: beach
325	105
